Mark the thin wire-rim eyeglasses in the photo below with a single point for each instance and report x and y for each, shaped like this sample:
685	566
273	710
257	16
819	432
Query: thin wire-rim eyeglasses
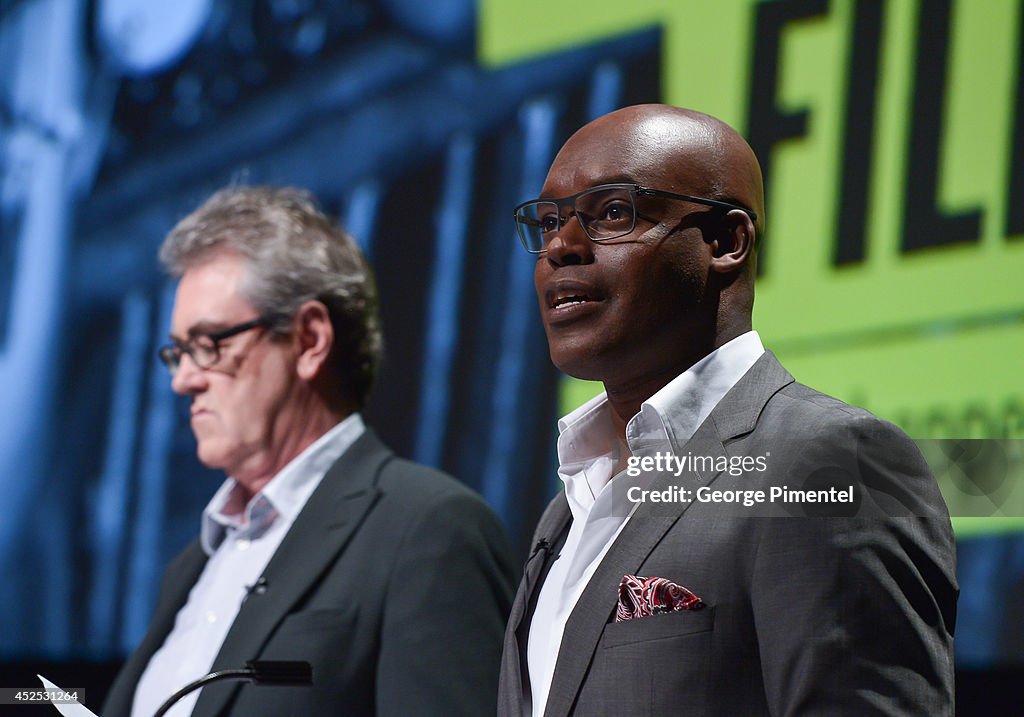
537	243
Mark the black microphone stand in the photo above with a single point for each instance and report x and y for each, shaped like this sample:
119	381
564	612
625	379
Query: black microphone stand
259	672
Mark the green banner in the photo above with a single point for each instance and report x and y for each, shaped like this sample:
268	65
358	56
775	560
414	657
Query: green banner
892	137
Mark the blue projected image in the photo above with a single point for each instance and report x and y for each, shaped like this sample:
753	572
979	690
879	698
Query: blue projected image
382	112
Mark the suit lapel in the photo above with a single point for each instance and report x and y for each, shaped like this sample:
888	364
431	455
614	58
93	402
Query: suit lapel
735	415
551	529
551	526
331	515
180	576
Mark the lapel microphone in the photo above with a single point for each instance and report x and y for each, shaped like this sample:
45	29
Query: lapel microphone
279	673
257	588
532	568
542	545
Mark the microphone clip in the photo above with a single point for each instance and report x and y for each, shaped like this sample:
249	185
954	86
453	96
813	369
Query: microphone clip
542	546
257	588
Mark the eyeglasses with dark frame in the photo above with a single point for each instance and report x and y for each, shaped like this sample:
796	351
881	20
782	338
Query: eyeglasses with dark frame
204	348
607	211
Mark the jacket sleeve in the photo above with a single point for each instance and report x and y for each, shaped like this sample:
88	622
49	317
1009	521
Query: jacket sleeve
854	614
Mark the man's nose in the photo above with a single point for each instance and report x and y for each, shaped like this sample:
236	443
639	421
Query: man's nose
570	244
188	378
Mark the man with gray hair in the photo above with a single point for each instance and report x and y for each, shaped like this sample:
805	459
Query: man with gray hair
391	579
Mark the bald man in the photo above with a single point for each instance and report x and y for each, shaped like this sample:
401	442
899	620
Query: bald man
675	574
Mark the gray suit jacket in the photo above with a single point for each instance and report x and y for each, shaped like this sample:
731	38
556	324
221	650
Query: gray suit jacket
804	615
394	582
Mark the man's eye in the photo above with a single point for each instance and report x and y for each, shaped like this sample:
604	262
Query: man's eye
617	212
203	347
549	223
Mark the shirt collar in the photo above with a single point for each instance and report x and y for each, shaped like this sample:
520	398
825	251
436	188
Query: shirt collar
283	496
669	418
588	448
666	420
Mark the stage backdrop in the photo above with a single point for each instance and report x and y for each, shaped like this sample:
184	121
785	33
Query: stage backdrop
892	137
891	134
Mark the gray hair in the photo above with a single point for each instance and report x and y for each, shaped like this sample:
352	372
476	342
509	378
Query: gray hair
294	253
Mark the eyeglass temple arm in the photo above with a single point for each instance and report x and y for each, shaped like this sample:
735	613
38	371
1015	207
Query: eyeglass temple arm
697	200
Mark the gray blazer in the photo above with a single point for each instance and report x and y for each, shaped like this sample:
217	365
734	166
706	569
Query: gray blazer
804	615
394	582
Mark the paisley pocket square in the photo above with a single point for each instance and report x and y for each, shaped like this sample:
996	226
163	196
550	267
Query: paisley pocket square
641	597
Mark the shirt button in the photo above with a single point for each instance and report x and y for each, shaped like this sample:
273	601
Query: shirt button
211	617
243	543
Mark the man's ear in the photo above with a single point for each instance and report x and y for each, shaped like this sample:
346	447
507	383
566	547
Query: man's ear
315	336
735	248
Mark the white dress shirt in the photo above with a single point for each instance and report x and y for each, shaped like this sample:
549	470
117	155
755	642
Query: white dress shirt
590	454
240	540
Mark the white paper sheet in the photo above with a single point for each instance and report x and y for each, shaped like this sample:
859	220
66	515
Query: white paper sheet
71	709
